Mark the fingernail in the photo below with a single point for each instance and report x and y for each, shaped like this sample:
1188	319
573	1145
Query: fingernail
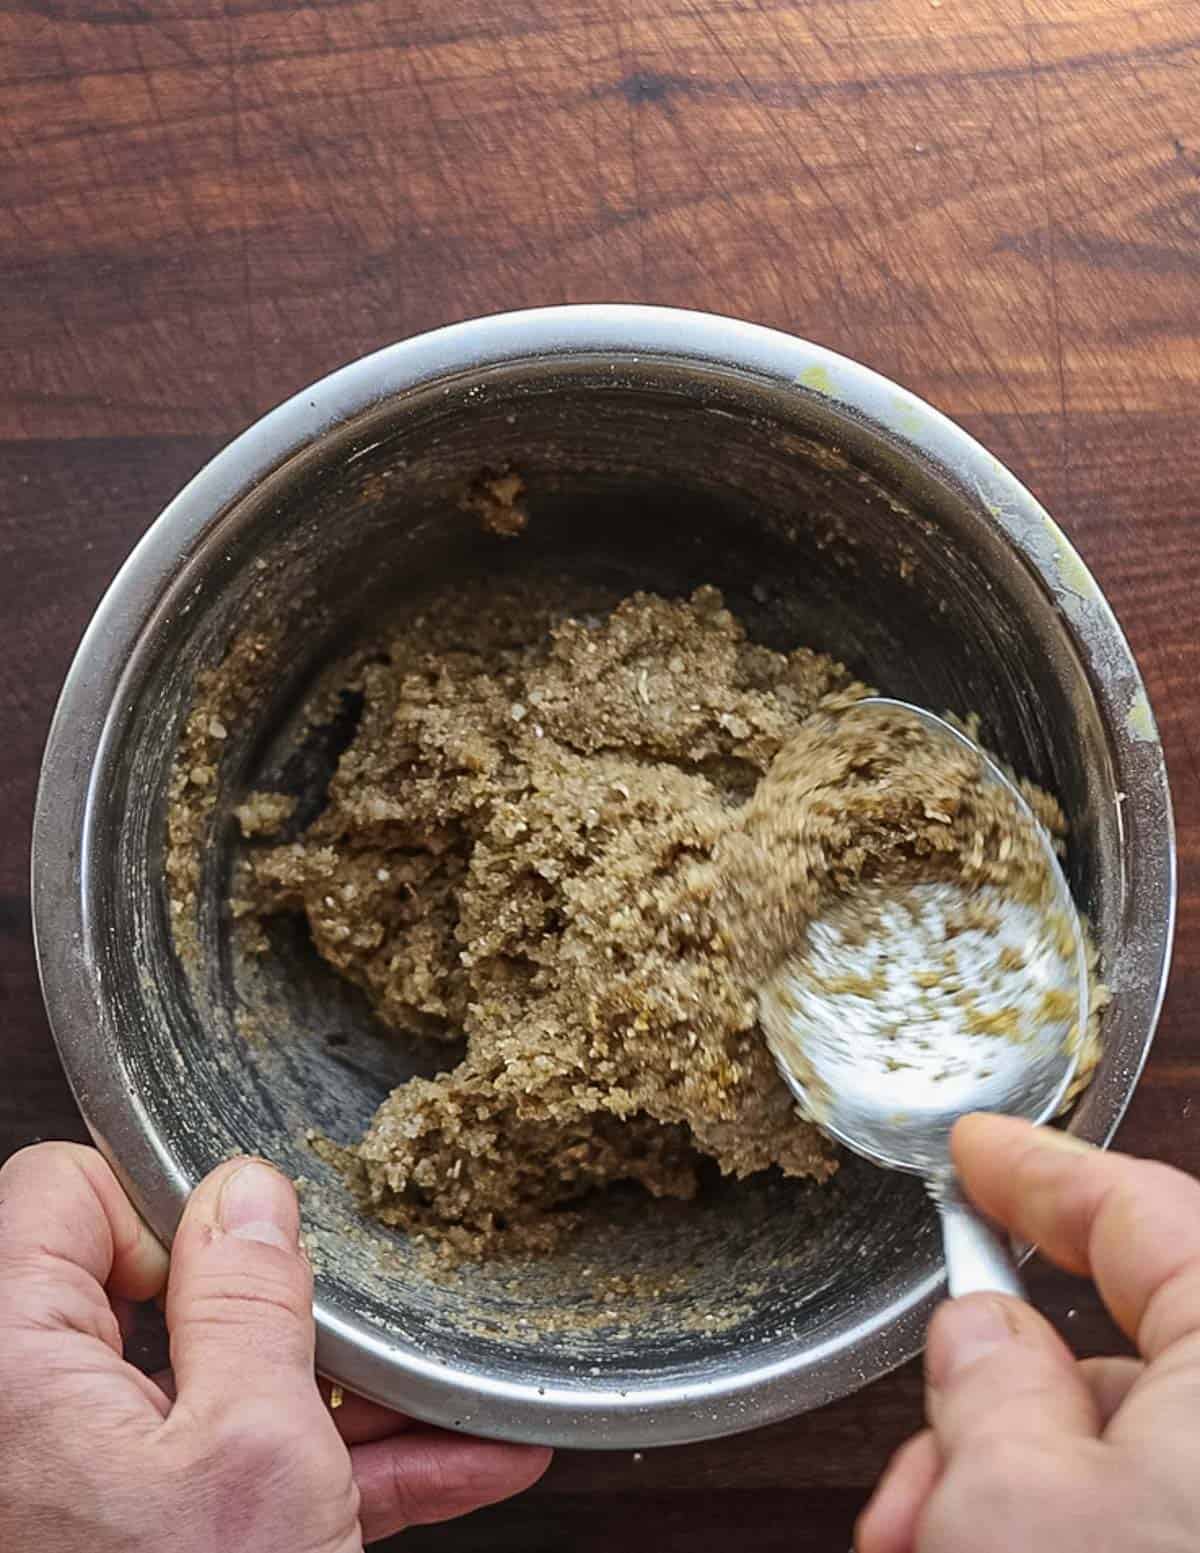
257	1203
965	1331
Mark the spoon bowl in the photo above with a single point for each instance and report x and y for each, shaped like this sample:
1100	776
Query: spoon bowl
911	1004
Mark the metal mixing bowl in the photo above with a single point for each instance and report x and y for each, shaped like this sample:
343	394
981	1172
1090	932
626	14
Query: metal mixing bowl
661	450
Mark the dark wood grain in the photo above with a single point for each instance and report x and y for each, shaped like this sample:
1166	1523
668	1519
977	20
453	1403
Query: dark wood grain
204	206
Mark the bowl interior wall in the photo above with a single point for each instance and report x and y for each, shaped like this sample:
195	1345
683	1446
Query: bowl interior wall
818	533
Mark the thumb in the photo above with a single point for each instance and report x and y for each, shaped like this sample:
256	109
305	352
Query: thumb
997	1370
239	1295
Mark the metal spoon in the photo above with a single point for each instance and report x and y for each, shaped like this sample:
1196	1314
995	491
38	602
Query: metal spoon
886	1043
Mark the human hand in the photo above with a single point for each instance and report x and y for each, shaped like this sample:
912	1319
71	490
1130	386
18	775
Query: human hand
234	1449
1026	1447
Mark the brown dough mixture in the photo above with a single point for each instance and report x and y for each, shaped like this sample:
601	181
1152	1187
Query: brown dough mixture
582	844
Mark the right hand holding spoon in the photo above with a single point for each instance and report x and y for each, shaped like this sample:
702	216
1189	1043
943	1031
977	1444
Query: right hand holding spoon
1026	1447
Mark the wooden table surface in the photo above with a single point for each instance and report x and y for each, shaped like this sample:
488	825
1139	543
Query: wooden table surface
997	202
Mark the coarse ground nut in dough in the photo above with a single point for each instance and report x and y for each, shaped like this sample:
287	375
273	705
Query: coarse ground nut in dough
582	843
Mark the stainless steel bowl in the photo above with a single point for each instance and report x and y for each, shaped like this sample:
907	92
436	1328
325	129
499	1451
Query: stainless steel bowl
661	449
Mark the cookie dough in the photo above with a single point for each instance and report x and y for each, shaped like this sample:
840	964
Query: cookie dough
580	843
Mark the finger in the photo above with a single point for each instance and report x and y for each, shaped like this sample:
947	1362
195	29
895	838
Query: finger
1110	1381
360	1421
430	1475
239	1297
69	1237
1131	1224
126	1312
889	1522
995	1368
165	1381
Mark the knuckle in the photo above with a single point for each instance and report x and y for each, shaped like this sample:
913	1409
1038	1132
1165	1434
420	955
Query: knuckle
32	1169
1003	1472
1171	1319
235	1331
240	1296
42	1292
272	1449
1135	1183
37	1157
1040	1176
254	1438
249	1438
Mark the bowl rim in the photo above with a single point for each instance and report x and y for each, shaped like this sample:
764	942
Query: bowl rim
348	1348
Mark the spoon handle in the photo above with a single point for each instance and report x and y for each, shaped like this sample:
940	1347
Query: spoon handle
978	1259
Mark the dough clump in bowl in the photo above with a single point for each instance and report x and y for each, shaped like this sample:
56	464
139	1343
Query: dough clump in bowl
581	841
